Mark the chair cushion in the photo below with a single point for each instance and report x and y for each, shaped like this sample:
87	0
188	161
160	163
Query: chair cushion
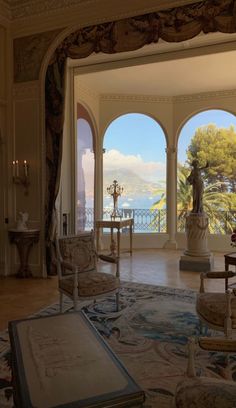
212	307
90	284
204	392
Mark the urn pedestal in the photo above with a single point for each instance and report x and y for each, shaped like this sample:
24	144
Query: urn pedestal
197	256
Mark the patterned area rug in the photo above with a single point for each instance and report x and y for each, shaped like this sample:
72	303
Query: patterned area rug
149	335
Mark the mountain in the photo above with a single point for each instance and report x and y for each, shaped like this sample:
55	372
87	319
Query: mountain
133	184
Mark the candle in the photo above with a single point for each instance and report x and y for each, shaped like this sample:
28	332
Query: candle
25	168
17	168
14	168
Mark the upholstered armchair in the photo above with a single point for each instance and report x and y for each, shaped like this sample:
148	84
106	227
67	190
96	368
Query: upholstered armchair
202	391
78	275
217	310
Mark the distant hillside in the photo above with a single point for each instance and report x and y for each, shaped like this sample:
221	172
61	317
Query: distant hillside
132	183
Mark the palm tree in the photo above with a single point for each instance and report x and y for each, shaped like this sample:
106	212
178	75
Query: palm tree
216	204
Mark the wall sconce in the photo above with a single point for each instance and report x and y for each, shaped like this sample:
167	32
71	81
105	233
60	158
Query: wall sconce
21	179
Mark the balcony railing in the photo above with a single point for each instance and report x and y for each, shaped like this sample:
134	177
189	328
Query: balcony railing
152	221
145	221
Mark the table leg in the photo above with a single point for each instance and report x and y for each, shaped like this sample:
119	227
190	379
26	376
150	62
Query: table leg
98	239
113	244
131	239
118	242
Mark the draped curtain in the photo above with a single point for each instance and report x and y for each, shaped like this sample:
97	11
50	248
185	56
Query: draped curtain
173	25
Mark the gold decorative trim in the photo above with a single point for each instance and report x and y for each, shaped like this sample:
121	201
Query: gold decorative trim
168	99
136	98
46	7
205	95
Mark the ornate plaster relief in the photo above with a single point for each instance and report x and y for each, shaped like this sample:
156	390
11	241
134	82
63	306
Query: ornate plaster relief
28	54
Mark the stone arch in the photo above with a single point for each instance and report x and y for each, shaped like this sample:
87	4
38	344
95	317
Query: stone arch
141	112
191	115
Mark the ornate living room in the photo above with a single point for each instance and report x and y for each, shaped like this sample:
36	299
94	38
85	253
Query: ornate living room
117	306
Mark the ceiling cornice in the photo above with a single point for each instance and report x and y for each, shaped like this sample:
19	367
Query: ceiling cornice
205	95
27	8
167	99
136	98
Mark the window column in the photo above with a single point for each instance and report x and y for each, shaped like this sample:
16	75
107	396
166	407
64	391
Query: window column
171	179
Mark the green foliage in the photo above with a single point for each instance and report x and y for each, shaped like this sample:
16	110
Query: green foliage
218	147
217	204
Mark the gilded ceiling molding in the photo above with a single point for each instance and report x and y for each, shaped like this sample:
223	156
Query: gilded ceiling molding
136	98
45	7
205	95
29	53
172	25
168	99
40	7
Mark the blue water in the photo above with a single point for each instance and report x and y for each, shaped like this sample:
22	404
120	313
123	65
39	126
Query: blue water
136	202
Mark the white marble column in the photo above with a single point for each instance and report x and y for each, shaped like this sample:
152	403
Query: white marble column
171	181
98	199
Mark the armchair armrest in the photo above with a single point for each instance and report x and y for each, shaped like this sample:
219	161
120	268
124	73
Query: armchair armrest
112	259
108	258
217	344
67	266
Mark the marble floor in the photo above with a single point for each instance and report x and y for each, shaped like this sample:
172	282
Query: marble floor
22	297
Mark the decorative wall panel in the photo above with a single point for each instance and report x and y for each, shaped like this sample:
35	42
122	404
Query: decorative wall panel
28	54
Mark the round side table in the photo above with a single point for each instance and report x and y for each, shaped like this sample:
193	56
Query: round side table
230	259
24	240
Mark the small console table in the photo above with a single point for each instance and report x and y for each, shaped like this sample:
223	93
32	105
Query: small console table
117	224
24	241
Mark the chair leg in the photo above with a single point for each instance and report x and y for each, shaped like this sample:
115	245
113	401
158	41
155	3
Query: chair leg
61	301
75	305
117	301
203	328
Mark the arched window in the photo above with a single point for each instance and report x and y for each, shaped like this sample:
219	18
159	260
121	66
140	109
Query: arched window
209	137
85	171
134	155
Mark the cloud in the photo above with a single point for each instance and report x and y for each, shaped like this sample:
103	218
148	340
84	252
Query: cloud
150	171
113	159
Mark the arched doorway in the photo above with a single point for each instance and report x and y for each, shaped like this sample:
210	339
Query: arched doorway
134	146
209	137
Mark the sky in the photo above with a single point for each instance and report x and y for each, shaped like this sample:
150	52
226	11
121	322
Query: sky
137	141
